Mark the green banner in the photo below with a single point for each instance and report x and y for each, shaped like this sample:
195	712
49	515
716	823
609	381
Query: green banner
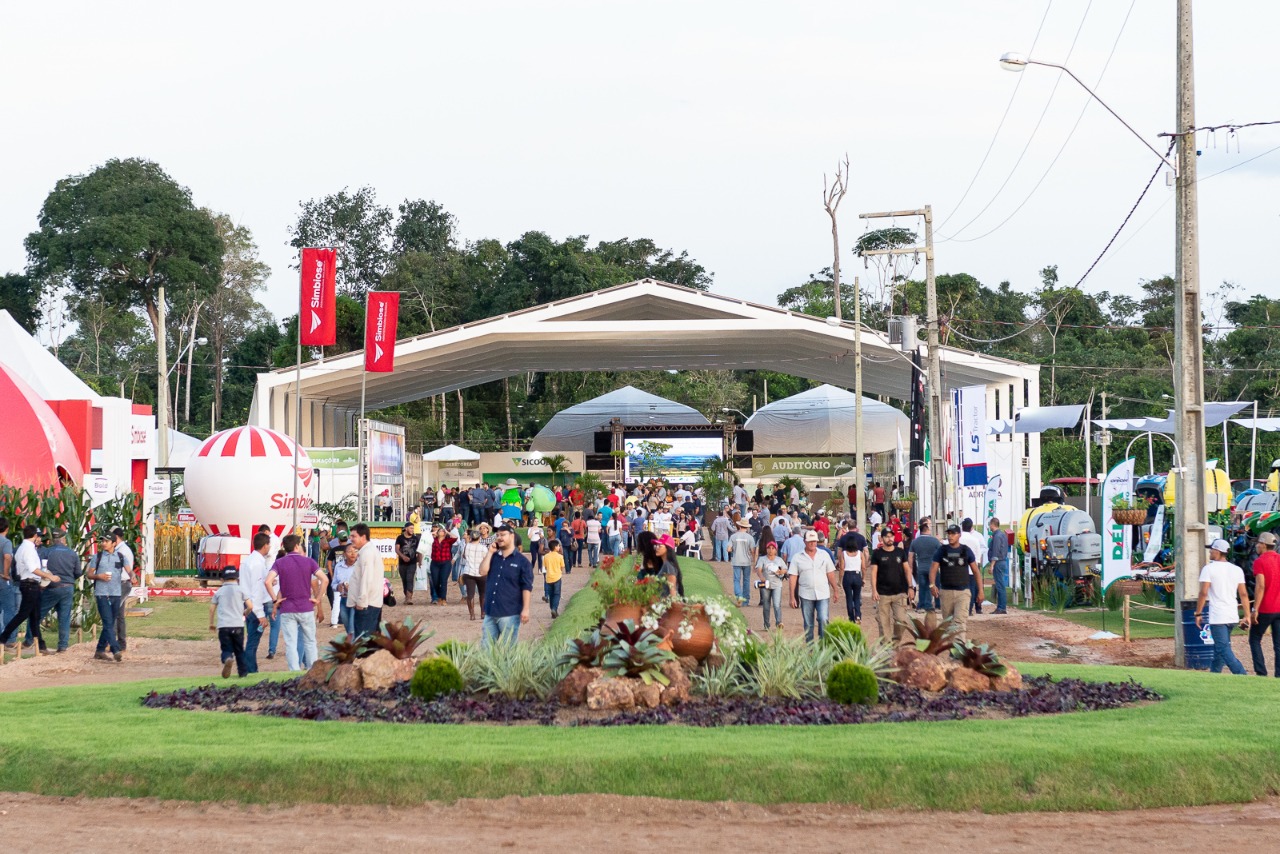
814	466
334	458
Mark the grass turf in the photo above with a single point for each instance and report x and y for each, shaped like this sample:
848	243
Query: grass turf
1205	744
178	619
1115	621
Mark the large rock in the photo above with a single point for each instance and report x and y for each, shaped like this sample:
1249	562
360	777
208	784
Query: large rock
647	696
968	681
902	660
688	663
606	694
405	668
317	675
1010	681
713	659
677	691
378	670
346	679
925	673
572	690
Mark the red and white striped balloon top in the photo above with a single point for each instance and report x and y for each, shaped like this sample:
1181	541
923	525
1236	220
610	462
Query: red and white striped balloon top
253	442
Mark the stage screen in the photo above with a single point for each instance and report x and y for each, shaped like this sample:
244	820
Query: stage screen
680	463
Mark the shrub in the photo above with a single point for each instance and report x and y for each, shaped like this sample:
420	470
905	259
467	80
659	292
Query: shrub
850	683
451	647
790	668
838	629
877	656
435	677
749	654
723	680
516	670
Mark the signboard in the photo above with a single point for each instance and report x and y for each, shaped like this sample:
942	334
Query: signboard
1117	561
99	488
156	490
192	592
318	309
971	430
519	462
186	516
816	466
142	437
334	458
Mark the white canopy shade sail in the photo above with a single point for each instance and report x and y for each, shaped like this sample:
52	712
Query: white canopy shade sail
451	453
1266	425
573	429
1214	414
821	421
1037	419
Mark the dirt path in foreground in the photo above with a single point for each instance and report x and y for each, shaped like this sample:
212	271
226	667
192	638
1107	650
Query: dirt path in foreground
611	823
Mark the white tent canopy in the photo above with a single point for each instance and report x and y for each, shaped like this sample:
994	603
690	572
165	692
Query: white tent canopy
1037	419
51	379
573	429
450	453
182	448
1266	425
820	421
1214	414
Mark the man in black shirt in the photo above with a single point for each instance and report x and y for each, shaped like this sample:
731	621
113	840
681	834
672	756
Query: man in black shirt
949	576
407	559
891	587
851	540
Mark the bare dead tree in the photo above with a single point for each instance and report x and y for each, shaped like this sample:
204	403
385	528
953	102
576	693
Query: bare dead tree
831	197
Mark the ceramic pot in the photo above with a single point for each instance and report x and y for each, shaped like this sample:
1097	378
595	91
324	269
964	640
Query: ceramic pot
699	643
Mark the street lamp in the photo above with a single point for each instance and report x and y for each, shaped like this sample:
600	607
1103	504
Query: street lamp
1190	516
731	409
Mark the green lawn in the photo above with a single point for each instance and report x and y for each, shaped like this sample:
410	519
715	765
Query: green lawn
178	619
1203	745
1115	621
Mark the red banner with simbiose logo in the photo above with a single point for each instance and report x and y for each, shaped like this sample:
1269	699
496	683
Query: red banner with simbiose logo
317	319
380	331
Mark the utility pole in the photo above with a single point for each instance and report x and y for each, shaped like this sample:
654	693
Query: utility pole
1105	432
162	387
859	475
1188	348
937	468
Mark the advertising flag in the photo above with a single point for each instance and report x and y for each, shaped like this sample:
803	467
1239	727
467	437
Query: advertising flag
1116	555
971	434
916	450
1155	540
317	316
990	499
381	311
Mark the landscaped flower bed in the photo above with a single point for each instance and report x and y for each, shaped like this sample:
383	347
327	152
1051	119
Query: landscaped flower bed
898	703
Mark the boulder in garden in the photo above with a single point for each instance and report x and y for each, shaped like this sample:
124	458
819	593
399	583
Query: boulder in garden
925	673
572	690
317	675
346	679
405	668
606	694
677	691
968	681
1010	681
378	670
647	696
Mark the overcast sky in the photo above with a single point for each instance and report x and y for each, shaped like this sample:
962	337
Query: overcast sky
705	126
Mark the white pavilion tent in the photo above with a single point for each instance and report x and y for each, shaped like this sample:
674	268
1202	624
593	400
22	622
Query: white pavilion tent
821	421
573	429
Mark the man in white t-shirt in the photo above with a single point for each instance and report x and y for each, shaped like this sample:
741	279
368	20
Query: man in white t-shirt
813	585
977	545
661	519
593	541
1220	583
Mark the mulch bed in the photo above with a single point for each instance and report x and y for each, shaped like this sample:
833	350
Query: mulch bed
1039	696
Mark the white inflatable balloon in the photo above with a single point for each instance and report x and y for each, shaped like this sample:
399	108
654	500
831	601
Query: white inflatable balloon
244	477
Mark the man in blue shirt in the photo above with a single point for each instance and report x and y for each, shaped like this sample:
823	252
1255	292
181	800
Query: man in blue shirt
998	555
64	563
508	585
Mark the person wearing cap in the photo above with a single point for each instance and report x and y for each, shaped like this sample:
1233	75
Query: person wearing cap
1266	606
106	571
772	569
953	565
1220	583
508	587
128	564
813	585
742	556
919	558
226	617
63	562
27	566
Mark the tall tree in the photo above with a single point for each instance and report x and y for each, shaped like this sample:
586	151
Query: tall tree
122	235
424	227
20	296
354	224
232	309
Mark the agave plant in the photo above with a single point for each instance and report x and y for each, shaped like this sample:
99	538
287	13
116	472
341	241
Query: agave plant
588	651
401	639
932	639
345	649
980	658
635	652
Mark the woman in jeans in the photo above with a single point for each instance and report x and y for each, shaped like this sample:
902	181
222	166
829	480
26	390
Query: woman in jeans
441	558
772	570
852	565
473	554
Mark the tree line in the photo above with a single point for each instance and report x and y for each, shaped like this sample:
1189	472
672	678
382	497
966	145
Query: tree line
106	242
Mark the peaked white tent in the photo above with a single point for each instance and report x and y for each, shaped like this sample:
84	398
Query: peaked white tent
572	429
450	453
820	421
51	379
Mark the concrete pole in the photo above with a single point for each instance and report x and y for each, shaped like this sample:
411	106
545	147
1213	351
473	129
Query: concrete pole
937	466
1189	510
162	384
859	475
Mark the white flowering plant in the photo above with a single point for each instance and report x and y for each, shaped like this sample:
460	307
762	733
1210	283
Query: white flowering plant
726	622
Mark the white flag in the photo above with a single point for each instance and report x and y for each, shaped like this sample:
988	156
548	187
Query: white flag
1116	551
1156	540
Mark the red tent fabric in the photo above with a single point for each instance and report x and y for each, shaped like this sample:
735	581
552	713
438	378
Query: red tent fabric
35	449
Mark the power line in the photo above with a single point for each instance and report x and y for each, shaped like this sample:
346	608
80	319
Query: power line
1000	125
1034	130
1061	148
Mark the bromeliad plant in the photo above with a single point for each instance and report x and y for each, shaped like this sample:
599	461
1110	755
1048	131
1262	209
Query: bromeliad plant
589	651
345	649
932	639
979	658
636	652
399	639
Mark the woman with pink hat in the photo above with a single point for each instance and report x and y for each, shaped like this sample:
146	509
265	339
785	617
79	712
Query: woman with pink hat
658	558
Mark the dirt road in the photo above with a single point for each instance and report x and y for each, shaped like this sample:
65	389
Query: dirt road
31	823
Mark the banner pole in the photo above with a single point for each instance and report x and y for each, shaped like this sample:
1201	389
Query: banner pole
360	486
297	421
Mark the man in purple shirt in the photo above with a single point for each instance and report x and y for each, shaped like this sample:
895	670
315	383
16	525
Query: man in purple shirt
301	583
